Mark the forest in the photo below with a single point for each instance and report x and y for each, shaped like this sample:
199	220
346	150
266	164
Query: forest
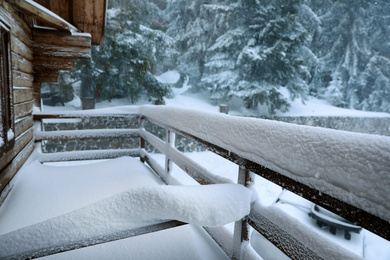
260	54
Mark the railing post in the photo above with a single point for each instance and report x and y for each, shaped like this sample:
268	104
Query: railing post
170	143
241	227
141	139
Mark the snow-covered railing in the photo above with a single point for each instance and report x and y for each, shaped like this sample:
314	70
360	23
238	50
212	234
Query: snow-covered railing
346	173
83	134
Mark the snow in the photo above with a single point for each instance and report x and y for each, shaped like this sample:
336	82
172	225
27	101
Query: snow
170	77
125	197
319	107
288	205
342	164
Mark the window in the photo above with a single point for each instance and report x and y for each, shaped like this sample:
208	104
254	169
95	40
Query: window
6	120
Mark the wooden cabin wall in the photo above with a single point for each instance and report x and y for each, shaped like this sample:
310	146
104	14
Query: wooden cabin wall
22	74
87	15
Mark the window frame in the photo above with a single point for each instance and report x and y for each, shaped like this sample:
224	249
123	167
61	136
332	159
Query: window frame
7	125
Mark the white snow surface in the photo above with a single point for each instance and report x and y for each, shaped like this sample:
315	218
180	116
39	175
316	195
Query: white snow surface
170	77
55	218
342	164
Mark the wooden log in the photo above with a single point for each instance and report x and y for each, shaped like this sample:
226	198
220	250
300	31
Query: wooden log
46	76
23	109
21	49
9	172
23	124
37	93
42	63
61	38
62	51
22	95
21	79
20	143
21	64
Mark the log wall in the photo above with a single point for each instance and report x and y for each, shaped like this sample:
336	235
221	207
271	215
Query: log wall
22	75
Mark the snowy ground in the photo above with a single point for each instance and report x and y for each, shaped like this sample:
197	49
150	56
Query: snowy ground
181	98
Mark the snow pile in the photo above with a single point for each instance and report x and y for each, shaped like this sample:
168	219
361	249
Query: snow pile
212	205
60	205
342	164
169	77
43	192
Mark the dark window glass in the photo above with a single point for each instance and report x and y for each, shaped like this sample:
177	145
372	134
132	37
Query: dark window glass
6	121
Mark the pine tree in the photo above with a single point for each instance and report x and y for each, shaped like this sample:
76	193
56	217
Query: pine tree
272	58
123	66
353	55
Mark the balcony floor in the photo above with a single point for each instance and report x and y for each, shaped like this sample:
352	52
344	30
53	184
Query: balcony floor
43	192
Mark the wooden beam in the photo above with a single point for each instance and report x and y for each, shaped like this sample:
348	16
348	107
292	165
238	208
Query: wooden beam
37	94
42	14
42	63
55	37
62	51
46	76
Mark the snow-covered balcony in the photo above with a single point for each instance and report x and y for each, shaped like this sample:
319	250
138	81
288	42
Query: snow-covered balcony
154	208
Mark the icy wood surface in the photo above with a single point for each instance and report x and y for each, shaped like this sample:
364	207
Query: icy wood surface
349	166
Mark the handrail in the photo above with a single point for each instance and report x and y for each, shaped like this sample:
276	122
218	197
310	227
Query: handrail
205	128
320	186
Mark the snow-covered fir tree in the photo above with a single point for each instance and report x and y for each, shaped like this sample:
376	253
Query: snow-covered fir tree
264	51
123	66
353	55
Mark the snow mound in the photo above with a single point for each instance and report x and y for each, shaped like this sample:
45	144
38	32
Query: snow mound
169	77
211	205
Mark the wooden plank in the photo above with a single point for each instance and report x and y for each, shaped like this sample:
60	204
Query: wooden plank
24	124
281	239
99	21
86	134
88	15
46	76
21	49
42	63
22	95
54	7
9	172
62	51
37	94
21	79
42	14
78	14
21	64
23	109
20	142
86	155
64	11
55	37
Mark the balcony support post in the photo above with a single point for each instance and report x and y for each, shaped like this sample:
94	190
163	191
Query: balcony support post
241	227
170	144
141	139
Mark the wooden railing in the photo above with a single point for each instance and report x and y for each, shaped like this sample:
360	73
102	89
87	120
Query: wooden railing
203	129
